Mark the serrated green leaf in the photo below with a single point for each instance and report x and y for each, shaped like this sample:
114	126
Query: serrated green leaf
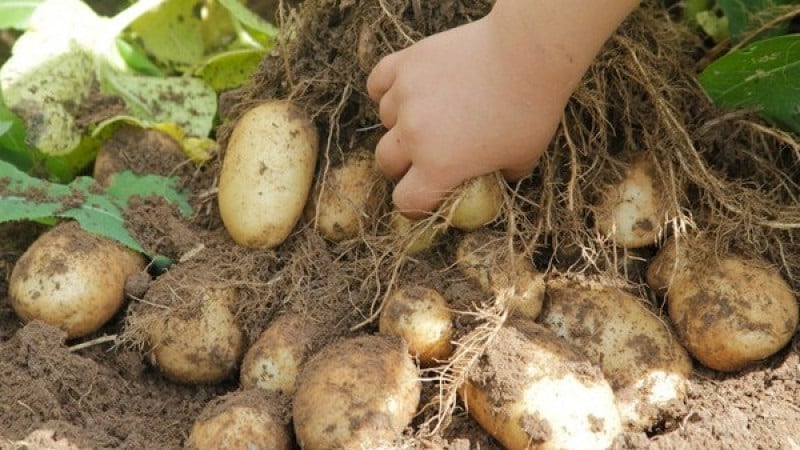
16	13
764	75
171	33
23	197
230	70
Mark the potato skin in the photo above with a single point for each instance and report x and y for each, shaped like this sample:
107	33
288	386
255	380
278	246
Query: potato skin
729	312
356	393
478	203
72	279
532	390
267	174
422	318
644	363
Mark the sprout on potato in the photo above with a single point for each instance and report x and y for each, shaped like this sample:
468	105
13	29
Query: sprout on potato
422	318
242	420
730	312
485	258
357	393
350	193
267	173
532	390
274	360
641	359
72	279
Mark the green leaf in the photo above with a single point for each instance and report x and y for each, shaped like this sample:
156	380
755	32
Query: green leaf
230	70
713	25
746	15
262	30
171	33
764	75
17	13
136	59
23	197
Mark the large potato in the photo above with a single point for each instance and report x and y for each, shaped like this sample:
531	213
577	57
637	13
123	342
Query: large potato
729	312
267	174
485	258
200	346
72	279
243	420
359	393
532	390
350	194
641	359
274	360
423	319
632	211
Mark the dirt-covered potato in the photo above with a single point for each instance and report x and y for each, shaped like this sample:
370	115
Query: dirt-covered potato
422	318
243	420
478	202
72	279
644	363
485	258
356	393
267	173
415	236
633	211
351	192
202	345
532	390
729	312
274	360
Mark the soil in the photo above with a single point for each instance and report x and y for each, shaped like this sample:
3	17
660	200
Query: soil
102	392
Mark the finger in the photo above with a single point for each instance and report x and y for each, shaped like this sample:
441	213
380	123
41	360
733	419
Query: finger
417	195
382	77
518	173
387	110
390	156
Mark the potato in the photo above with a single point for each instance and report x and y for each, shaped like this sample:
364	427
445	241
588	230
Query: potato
485	258
729	312
356	393
478	202
242	420
416	235
641	359
266	174
351	192
532	390
201	346
633	211
421	317
273	362
72	279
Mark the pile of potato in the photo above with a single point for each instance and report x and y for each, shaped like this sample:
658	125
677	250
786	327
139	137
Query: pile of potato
577	362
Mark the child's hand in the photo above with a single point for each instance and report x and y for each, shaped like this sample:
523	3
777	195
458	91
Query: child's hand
456	107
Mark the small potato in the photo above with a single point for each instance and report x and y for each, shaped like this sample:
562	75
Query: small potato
351	192
72	279
267	173
202	346
478	203
273	362
359	393
641	359
532	390
243	420
421	317
632	212
729	312
485	258
416	235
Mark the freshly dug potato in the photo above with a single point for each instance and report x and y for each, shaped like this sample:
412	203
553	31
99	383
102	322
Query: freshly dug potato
485	258
633	211
203	346
645	364
729	312
478	203
357	393
417	235
267	173
72	279
243	420
273	361
351	192
422	318
532	390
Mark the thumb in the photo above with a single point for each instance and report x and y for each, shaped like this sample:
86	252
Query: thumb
417	195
